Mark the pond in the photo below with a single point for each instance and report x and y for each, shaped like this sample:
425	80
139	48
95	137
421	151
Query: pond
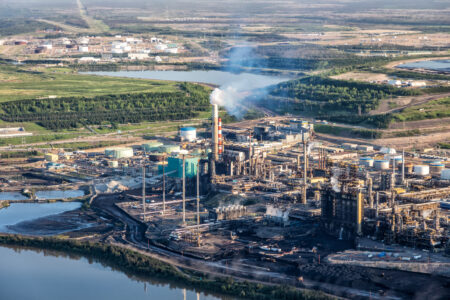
12	196
21	212
211	77
435	65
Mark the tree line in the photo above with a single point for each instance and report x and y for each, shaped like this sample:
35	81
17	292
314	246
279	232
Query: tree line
70	112
330	95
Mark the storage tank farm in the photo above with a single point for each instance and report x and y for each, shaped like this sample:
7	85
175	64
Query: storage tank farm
352	191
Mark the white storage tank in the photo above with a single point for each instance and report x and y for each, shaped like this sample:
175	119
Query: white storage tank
421	170
381	164
445	174
436	168
119	152
366	161
188	134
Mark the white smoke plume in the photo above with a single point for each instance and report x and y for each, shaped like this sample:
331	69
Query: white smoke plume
243	89
311	146
334	179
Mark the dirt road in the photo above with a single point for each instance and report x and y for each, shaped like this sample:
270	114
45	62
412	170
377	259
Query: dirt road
405	102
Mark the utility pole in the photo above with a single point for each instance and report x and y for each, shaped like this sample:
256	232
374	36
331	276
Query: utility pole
198	195
164	185
184	190
143	190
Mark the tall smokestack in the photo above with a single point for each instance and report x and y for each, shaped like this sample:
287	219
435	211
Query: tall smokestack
359	213
220	138
215	132
184	190
305	168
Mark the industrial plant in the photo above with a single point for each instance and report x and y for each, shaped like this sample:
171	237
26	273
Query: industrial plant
267	194
270	190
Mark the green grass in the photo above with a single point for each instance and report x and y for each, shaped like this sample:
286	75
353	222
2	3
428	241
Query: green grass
444	145
435	109
38	138
17	84
83	145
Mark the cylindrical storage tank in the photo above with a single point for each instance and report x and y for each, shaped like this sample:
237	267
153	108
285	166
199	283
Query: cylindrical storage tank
169	148
421	170
188	134
151	146
124	152
429	162
436	168
397	161
366	161
381	164
445	174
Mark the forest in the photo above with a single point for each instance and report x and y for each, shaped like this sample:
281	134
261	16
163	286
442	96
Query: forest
71	112
338	95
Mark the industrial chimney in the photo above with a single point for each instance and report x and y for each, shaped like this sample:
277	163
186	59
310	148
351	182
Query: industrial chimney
220	138
215	132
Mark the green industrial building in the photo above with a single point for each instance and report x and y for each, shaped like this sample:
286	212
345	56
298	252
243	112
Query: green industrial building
176	164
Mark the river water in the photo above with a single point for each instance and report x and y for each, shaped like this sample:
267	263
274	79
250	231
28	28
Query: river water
435	65
211	77
43	195
57	194
20	212
28	274
12	196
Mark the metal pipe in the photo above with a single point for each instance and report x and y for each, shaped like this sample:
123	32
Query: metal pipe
403	166
305	169
143	189
164	185
377	202
184	190
198	194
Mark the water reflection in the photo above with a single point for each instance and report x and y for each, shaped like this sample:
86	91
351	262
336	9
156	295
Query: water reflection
55	275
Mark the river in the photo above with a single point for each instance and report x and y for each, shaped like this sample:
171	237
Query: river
30	274
20	212
43	195
211	77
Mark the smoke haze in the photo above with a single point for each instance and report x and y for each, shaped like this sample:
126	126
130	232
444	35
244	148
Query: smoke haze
235	96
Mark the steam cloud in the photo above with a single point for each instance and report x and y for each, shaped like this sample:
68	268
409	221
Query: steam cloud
244	89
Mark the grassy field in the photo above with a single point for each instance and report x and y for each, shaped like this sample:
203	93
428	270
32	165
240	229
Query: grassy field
17	83
435	109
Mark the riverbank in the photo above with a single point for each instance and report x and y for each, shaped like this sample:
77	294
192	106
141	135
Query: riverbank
136	263
4	203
